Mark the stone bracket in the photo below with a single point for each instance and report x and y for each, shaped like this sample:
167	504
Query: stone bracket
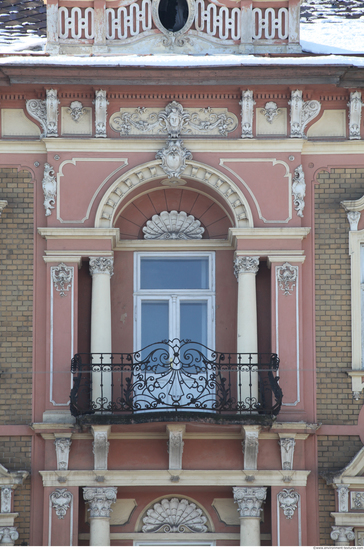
250	446
287	444
175	445
100	446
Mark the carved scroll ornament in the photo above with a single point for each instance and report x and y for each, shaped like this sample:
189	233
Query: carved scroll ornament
174	157
288	500
61	500
62	278
49	185
174	516
173	225
287	277
299	190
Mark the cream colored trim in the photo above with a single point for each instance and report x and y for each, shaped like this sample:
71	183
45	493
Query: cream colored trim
22	147
283	258
357	380
7	519
353	206
164	436
296	426
203	244
157	478
190	538
346	518
88	233
356	238
66	258
342	147
268	233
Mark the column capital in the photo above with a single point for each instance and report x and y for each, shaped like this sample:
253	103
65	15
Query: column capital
342	535
99	500
246	264
99	266
8	535
249	500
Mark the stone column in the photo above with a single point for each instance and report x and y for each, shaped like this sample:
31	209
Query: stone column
101	270
245	269
8	536
99	500
342	535
249	501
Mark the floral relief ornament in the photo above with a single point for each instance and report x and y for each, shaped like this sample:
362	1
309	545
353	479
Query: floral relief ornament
76	110
173	225
62	278
61	500
287	277
271	111
288	500
49	186
299	190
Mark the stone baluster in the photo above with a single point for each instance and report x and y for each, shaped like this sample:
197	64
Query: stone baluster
101	270
245	269
99	500
249	501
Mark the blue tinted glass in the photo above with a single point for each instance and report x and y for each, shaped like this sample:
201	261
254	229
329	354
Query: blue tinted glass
193	321
155	322
174	273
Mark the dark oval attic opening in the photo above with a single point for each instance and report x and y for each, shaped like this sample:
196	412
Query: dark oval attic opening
173	14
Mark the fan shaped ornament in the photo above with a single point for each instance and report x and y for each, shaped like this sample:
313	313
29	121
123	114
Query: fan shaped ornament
173	226
174	516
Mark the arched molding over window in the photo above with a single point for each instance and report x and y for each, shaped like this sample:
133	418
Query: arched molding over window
174	514
196	171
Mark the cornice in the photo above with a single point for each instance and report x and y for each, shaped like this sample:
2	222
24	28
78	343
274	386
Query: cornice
268	233
157	478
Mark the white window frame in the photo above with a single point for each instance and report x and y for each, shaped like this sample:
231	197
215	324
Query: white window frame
175	296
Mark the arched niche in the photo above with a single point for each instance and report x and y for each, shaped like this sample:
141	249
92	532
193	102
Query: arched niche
151	521
213	182
153	199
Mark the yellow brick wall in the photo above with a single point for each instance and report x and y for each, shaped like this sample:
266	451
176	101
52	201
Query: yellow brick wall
16	311
335	403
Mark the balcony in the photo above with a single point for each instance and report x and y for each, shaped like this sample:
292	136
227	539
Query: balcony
175	380
170	26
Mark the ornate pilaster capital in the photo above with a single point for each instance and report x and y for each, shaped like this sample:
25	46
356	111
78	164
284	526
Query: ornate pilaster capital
249	500
250	446
6	500
342	535
353	219
62	445
175	446
299	190
99	266
49	186
287	277
61	500
62	277
247	112
343	497
246	264
99	500
288	500
8	535
287	445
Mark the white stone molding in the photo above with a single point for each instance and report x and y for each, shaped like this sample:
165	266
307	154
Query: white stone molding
175	445
301	113
99	266
357	500
247	112
173	225
173	158
299	190
288	500
249	500
99	500
63	445
3	204
353	219
61	500
138	176
355	106
343	497
250	446
52	113
76	110
174	120
37	109
287	277
8	536
62	277
287	445
359	538
174	516
271	111
246	264
100	446
49	186
342	535
6	492
101	104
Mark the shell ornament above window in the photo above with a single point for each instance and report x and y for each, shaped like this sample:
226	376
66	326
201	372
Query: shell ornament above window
173	225
174	516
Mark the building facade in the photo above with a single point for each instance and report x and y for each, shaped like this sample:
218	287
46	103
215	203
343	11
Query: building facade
181	280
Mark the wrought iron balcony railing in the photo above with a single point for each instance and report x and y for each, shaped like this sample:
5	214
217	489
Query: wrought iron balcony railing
174	377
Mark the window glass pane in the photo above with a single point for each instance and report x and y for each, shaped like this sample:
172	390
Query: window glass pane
193	319
174	273
155	322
